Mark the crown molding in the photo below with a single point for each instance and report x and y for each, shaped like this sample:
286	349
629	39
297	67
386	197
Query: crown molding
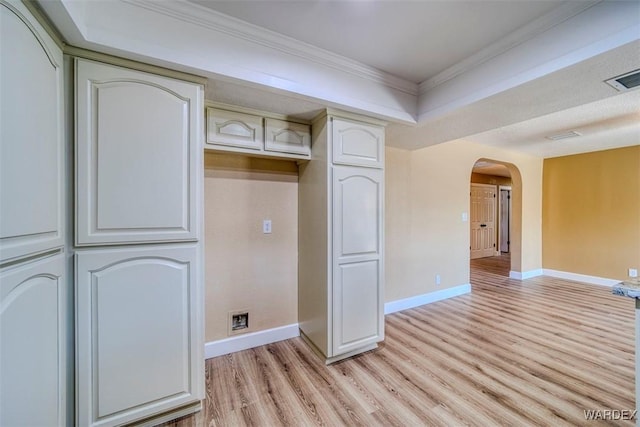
555	17
196	14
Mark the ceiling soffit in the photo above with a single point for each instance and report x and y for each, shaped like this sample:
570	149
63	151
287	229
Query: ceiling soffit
195	39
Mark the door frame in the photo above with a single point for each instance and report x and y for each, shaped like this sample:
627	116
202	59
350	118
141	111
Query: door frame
509	218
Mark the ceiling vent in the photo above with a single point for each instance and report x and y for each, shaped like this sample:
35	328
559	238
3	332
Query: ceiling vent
565	135
625	81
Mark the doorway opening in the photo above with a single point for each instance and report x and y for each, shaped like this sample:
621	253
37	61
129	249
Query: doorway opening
494	217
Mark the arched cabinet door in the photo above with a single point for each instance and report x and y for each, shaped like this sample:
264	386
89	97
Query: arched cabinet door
138	156
32	343
358	318
139	336
31	136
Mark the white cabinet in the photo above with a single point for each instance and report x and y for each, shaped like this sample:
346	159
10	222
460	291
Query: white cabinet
137	156
357	144
341	243
33	353
234	129
139	320
139	336
287	137
34	288
358	308
31	136
255	135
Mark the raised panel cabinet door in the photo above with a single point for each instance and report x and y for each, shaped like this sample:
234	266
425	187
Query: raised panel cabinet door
138	156
358	223
358	144
287	137
139	333
31	136
33	358
230	128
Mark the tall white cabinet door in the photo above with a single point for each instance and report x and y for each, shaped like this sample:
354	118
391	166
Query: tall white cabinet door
358	307
31	136
139	336
32	343
138	150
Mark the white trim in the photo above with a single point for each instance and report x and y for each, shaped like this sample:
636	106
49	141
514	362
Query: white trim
594	280
196	14
525	274
418	300
251	340
555	17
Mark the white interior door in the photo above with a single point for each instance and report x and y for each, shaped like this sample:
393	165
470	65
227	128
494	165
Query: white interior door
483	220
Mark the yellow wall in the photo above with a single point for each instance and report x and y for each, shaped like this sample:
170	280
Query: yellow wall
427	191
591	213
244	268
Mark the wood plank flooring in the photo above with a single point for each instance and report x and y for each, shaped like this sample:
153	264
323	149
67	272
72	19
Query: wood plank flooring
537	352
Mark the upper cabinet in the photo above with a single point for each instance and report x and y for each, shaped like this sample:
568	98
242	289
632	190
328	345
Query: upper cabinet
137	145
357	144
31	136
234	129
256	135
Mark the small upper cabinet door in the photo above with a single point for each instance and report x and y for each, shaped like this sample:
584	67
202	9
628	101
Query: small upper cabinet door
31	136
138	156
234	129
32	355
357	144
287	137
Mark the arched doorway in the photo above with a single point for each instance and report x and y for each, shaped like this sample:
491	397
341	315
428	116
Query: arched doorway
495	216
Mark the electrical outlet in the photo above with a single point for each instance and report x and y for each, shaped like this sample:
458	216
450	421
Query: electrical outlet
266	226
437	279
633	272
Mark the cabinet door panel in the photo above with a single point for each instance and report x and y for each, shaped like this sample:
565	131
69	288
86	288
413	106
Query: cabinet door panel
357	144
286	137
357	211
234	129
137	150
357	305
32	354
139	343
31	136
358	318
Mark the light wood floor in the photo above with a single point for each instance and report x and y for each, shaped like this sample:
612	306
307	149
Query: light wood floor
537	352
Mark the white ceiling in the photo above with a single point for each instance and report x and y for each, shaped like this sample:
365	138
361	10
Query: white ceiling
504	73
414	40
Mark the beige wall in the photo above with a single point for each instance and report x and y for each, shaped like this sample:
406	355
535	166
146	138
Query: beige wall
591	213
426	193
244	268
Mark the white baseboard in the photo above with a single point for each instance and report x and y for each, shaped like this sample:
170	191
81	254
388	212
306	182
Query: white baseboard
256	339
251	340
594	280
418	300
525	274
